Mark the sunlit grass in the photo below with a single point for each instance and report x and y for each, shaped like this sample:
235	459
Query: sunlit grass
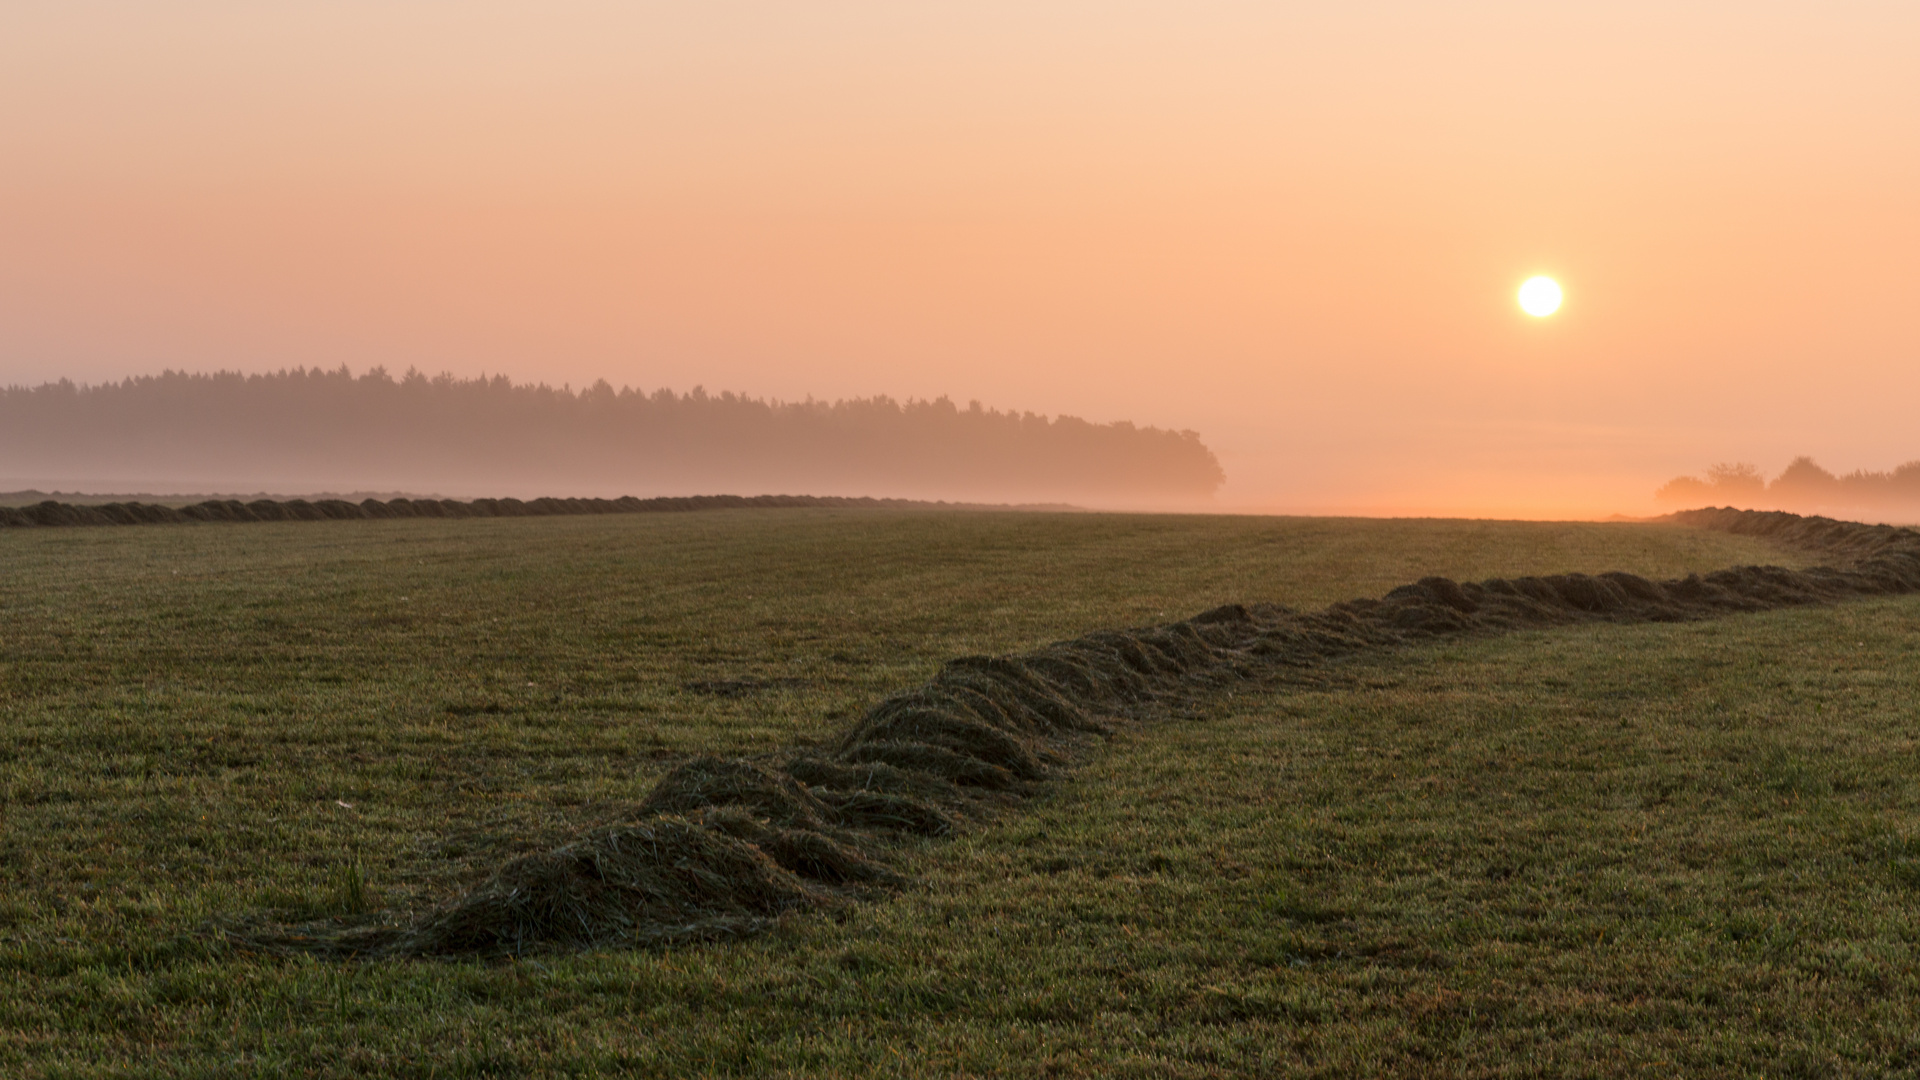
1688	843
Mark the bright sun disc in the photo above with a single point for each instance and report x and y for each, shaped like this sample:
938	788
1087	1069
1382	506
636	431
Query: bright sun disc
1540	297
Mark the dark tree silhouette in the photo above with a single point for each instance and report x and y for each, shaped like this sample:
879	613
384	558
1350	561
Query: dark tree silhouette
1804	487
310	426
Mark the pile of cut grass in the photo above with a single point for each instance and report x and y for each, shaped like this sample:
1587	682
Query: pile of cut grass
376	713
1002	723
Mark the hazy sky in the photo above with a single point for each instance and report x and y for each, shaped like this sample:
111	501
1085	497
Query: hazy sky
1296	228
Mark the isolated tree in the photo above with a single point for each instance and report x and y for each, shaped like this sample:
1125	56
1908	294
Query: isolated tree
1731	484
1804	483
1737	478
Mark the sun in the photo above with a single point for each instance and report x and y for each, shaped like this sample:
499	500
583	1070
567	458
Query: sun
1540	297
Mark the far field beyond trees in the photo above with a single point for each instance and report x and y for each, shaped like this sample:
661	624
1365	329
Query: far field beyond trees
309	427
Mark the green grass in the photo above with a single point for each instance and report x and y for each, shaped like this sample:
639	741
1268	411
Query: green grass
1599	850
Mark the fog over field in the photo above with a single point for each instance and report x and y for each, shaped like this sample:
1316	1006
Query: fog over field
1803	487
1295	229
315	430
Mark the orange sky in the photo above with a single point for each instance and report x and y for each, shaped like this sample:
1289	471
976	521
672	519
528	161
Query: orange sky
1294	228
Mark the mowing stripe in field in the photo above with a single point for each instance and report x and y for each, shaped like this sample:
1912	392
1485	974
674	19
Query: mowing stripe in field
720	848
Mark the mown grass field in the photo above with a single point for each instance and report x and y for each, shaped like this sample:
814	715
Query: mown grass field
1599	850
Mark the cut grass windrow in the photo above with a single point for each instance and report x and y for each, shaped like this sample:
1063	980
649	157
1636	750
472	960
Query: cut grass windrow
722	847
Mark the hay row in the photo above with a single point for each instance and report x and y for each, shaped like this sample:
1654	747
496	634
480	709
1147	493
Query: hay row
51	513
721	848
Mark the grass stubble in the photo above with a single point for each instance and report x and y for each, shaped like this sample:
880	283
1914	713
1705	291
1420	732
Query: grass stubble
1592	849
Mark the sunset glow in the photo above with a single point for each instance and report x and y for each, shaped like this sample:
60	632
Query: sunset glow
1294	229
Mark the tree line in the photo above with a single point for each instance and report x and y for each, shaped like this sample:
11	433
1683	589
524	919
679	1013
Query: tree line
1804	487
332	428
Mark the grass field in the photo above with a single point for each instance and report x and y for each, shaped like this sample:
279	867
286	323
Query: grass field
1599	850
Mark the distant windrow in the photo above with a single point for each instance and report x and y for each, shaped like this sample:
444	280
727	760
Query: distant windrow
331	429
50	513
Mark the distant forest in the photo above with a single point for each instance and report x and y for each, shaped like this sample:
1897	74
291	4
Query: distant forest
1804	488
493	436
